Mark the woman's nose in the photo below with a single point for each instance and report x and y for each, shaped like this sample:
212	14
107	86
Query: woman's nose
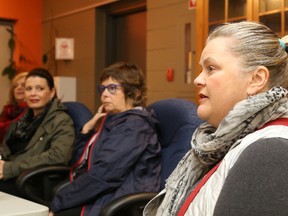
199	80
20	87
105	92
32	92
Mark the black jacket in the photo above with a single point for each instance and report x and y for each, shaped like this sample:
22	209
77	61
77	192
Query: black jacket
124	159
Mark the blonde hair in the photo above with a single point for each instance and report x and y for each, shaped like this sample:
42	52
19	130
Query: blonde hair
256	45
12	99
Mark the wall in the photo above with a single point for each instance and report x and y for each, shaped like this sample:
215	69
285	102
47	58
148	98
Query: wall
5	55
166	21
28	29
166	48
76	19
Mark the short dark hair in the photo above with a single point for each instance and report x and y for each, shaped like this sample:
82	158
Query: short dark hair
45	74
132	79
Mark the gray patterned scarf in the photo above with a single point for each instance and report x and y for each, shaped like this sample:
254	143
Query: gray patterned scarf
210	145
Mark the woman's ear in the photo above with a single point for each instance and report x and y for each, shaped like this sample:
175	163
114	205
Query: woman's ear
259	81
138	93
53	92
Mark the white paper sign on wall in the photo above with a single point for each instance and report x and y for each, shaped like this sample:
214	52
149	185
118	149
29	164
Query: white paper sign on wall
64	48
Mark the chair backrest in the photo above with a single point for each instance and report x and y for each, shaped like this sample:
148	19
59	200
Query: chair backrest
177	122
80	114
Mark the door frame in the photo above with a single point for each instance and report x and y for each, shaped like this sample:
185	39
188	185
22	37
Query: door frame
104	17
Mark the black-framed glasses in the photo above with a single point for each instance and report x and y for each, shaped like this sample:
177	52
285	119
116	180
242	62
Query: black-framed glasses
112	88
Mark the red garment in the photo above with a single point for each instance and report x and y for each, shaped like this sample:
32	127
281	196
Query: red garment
9	114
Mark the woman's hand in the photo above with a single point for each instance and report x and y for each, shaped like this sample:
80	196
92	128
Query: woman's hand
100	109
90	125
1	168
51	213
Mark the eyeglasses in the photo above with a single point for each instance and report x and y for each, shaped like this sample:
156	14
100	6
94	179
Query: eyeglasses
112	88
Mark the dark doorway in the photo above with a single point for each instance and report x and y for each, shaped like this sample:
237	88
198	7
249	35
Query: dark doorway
126	32
120	35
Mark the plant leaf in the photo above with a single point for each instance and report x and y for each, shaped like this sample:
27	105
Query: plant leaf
6	70
11	44
22	58
44	58
10	31
10	70
12	74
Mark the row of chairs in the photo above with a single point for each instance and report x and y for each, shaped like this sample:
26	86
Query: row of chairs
177	121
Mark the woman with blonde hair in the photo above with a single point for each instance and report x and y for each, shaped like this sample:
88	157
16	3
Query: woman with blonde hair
238	161
16	105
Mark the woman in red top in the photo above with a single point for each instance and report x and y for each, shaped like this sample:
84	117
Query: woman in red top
16	106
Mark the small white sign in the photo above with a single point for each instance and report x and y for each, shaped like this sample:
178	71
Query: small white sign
64	48
66	88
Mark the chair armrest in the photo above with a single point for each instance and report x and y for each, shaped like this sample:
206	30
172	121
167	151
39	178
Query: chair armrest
37	184
134	202
60	186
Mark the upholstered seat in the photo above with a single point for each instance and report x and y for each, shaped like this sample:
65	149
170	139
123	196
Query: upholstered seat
36	184
177	122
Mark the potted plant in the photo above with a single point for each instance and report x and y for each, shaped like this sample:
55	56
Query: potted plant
12	68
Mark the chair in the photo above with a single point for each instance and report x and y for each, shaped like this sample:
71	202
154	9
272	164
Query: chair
80	114
177	122
35	184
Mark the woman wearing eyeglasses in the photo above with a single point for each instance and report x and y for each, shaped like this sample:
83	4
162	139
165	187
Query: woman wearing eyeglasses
122	152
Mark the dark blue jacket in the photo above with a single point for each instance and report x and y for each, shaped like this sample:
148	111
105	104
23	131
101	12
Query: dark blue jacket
124	159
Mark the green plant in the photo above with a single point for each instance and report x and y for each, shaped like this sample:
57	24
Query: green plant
12	68
48	58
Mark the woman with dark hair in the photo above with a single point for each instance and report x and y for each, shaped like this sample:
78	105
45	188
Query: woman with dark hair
43	136
121	156
16	106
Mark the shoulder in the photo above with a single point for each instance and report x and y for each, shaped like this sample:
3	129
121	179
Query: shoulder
133	115
257	183
264	156
268	149
57	105
135	119
7	106
57	108
57	114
